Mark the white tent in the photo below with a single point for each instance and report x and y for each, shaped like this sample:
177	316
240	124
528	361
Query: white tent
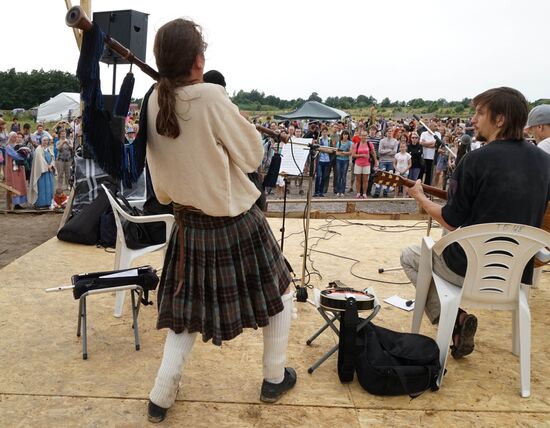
59	107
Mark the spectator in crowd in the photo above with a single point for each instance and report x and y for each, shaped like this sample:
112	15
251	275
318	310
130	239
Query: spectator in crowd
64	159
342	163
15	170
15	126
427	141
39	133
387	150
538	125
41	186
323	164
363	152
77	132
27	142
442	162
402	163
3	142
375	140
415	149
355	140
60	199
333	142
463	147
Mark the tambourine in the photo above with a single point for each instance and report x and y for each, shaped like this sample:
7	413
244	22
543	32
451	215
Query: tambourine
335	299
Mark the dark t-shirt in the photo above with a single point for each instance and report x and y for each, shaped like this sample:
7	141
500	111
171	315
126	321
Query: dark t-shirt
375	142
504	181
416	155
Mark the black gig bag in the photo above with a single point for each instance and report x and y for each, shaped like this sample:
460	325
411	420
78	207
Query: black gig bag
387	362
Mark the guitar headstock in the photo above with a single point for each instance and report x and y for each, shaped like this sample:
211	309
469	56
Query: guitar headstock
388	179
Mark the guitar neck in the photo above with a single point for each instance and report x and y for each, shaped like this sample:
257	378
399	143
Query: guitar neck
430	190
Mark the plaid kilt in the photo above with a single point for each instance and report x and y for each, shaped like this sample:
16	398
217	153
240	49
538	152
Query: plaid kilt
234	276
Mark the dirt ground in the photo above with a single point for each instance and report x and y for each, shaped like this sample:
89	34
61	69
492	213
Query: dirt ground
20	233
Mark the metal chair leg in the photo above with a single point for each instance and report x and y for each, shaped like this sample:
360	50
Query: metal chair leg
135	319
84	331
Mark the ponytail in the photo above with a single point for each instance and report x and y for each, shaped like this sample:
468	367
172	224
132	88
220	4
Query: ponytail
167	122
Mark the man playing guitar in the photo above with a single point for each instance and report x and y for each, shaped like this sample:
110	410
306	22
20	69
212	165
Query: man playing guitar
507	180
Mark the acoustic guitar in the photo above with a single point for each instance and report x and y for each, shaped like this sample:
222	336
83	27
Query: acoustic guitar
388	179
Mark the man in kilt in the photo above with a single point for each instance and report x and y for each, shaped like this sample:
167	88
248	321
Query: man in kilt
224	270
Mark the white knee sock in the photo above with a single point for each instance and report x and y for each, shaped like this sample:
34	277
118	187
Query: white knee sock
176	351
276	341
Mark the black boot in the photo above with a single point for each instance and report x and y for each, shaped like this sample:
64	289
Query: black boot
271	392
155	413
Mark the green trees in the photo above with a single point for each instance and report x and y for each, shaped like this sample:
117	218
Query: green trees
26	90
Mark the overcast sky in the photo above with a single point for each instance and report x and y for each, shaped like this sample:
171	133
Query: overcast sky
401	49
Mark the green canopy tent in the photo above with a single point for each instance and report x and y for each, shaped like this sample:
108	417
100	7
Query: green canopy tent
314	110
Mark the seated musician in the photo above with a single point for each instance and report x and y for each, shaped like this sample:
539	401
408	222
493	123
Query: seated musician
506	180
224	270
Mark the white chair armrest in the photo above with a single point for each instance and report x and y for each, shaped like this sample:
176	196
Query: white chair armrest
543	255
166	218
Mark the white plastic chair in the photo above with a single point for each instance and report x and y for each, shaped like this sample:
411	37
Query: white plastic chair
124	256
497	254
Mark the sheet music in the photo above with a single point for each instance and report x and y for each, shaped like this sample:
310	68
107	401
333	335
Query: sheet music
299	149
132	272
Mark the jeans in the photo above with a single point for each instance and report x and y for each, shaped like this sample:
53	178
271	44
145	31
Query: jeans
383	166
414	173
322	168
410	261
341	173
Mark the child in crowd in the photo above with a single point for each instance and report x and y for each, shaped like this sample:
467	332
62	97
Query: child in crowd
401	164
60	198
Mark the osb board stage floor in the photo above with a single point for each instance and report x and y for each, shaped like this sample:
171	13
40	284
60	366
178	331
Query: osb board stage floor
44	381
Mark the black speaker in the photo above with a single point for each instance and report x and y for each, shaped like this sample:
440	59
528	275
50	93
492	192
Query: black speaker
129	28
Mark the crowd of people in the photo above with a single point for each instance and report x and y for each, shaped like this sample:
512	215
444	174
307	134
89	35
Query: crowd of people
38	165
351	151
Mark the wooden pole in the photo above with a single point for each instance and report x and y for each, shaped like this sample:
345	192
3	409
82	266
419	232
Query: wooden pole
77	34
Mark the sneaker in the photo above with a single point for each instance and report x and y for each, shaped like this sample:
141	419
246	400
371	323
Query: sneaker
155	413
271	392
364	196
358	196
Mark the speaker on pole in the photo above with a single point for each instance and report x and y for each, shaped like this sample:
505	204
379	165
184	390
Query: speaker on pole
128	27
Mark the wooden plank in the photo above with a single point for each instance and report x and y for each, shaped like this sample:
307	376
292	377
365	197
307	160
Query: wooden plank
10	189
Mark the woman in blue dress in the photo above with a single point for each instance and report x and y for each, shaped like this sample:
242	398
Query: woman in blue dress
41	186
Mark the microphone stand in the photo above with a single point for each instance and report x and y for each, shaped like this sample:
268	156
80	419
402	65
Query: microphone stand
301	294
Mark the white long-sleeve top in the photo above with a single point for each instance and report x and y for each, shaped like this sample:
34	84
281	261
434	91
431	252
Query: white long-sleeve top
206	166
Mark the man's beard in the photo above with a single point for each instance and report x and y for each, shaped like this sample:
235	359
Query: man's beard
480	137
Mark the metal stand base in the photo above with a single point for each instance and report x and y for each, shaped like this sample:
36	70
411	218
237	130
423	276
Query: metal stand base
329	322
136	290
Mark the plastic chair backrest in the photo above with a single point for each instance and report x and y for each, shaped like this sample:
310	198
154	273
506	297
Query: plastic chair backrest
496	254
117	212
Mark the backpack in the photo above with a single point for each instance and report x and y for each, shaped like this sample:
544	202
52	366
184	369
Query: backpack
107	229
386	362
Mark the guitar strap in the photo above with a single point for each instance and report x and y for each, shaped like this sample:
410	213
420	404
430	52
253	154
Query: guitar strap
346	345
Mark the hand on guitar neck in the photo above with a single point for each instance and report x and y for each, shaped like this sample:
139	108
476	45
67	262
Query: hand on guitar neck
388	179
